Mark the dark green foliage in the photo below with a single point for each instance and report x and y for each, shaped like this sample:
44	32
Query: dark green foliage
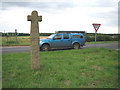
24	34
102	37
45	34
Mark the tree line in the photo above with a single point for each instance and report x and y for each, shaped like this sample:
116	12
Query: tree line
24	34
102	37
88	36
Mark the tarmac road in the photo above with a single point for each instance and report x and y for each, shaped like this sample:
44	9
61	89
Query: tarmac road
20	49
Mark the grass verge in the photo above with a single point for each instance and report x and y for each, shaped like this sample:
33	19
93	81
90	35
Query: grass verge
82	68
102	42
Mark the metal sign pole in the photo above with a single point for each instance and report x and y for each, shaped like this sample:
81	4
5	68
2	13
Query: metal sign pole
95	40
96	27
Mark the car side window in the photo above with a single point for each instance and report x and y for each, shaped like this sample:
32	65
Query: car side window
81	36
57	37
66	36
77	36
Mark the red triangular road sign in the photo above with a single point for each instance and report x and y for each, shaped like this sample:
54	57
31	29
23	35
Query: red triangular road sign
96	26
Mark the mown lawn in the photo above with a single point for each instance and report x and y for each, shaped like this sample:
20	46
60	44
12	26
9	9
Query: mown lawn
81	68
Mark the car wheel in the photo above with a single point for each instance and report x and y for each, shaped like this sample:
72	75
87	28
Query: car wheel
76	45
45	47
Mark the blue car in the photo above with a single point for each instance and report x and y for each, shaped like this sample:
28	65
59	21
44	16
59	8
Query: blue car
62	40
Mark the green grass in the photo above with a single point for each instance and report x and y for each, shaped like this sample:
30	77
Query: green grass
43	36
101	42
82	68
11	41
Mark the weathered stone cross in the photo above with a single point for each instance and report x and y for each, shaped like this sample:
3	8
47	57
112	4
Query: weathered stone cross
34	39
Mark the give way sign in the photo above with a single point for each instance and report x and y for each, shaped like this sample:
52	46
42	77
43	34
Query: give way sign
96	26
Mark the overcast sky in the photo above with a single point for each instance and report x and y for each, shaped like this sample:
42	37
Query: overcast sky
77	15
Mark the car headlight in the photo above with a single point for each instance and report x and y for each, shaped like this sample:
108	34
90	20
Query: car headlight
40	41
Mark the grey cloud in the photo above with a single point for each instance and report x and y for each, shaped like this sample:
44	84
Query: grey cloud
111	17
119	16
107	3
44	6
103	3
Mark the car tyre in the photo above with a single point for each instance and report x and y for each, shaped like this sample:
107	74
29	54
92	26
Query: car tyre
45	47
76	46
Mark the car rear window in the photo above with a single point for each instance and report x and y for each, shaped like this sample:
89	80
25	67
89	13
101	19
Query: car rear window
77	36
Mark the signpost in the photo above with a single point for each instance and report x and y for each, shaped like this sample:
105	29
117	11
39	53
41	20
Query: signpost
96	27
16	34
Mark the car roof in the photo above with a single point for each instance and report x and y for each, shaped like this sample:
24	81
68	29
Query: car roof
76	33
71	33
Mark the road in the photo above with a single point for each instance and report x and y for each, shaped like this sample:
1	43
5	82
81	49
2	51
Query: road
21	49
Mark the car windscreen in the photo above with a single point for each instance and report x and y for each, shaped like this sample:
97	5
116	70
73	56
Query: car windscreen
51	36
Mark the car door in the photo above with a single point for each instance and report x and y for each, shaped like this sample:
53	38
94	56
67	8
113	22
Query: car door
57	41
67	40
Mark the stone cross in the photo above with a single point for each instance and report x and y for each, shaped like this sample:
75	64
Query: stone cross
34	39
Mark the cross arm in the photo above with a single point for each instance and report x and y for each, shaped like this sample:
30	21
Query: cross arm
40	18
29	18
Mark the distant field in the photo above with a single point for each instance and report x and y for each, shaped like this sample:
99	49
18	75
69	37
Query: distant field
25	41
62	69
22	41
